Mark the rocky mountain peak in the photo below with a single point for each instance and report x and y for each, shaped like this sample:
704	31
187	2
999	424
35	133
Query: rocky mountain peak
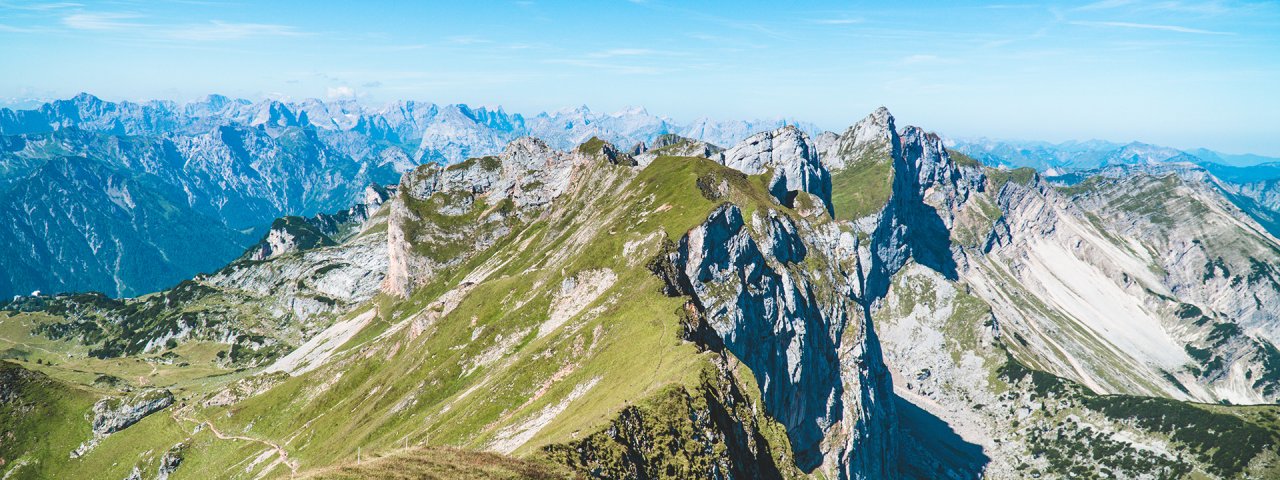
528	152
275	114
86	99
873	136
633	110
599	150
792	158
880	117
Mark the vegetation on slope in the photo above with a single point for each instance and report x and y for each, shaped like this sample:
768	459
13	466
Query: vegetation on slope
442	463
474	359
863	186
997	178
41	420
1230	442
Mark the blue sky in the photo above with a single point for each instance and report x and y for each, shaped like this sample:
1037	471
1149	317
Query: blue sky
1184	74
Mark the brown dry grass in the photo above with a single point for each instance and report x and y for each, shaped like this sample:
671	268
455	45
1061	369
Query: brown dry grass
444	463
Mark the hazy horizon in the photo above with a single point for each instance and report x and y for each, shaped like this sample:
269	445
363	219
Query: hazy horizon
1180	74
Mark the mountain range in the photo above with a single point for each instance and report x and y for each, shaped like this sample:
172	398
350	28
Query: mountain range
107	196
1252	182
868	303
1093	154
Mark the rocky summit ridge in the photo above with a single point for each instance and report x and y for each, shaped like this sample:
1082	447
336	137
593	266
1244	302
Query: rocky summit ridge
861	304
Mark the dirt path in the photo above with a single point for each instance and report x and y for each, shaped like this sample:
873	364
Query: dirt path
144	380
284	454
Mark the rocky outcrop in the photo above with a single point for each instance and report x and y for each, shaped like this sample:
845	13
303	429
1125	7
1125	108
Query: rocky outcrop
170	461
443	214
711	431
288	235
294	234
802	333
245	388
299	290
676	146
111	415
926	189
599	150
790	157
870	137
806	333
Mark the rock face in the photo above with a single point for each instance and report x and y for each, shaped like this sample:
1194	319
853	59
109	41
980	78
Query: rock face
111	415
1159	259
864	139
730	439
478	199
802	334
922	189
313	282
170	461
1130	283
288	235
294	234
675	145
792	159
114	414
1259	198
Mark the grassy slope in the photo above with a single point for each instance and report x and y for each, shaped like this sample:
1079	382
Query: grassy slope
478	374
863	186
190	367
85	339
41	421
442	463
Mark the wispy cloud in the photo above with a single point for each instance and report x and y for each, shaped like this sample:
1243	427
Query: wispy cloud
38	7
728	43
624	52
622	68
101	21
1000	42
15	29
467	40
1010	6
341	93
1105	5
1150	26
924	59
214	30
633	52
1210	7
218	30
838	21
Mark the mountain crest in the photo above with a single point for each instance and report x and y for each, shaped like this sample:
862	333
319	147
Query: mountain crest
791	157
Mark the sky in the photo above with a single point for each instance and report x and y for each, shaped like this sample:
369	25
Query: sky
1185	74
